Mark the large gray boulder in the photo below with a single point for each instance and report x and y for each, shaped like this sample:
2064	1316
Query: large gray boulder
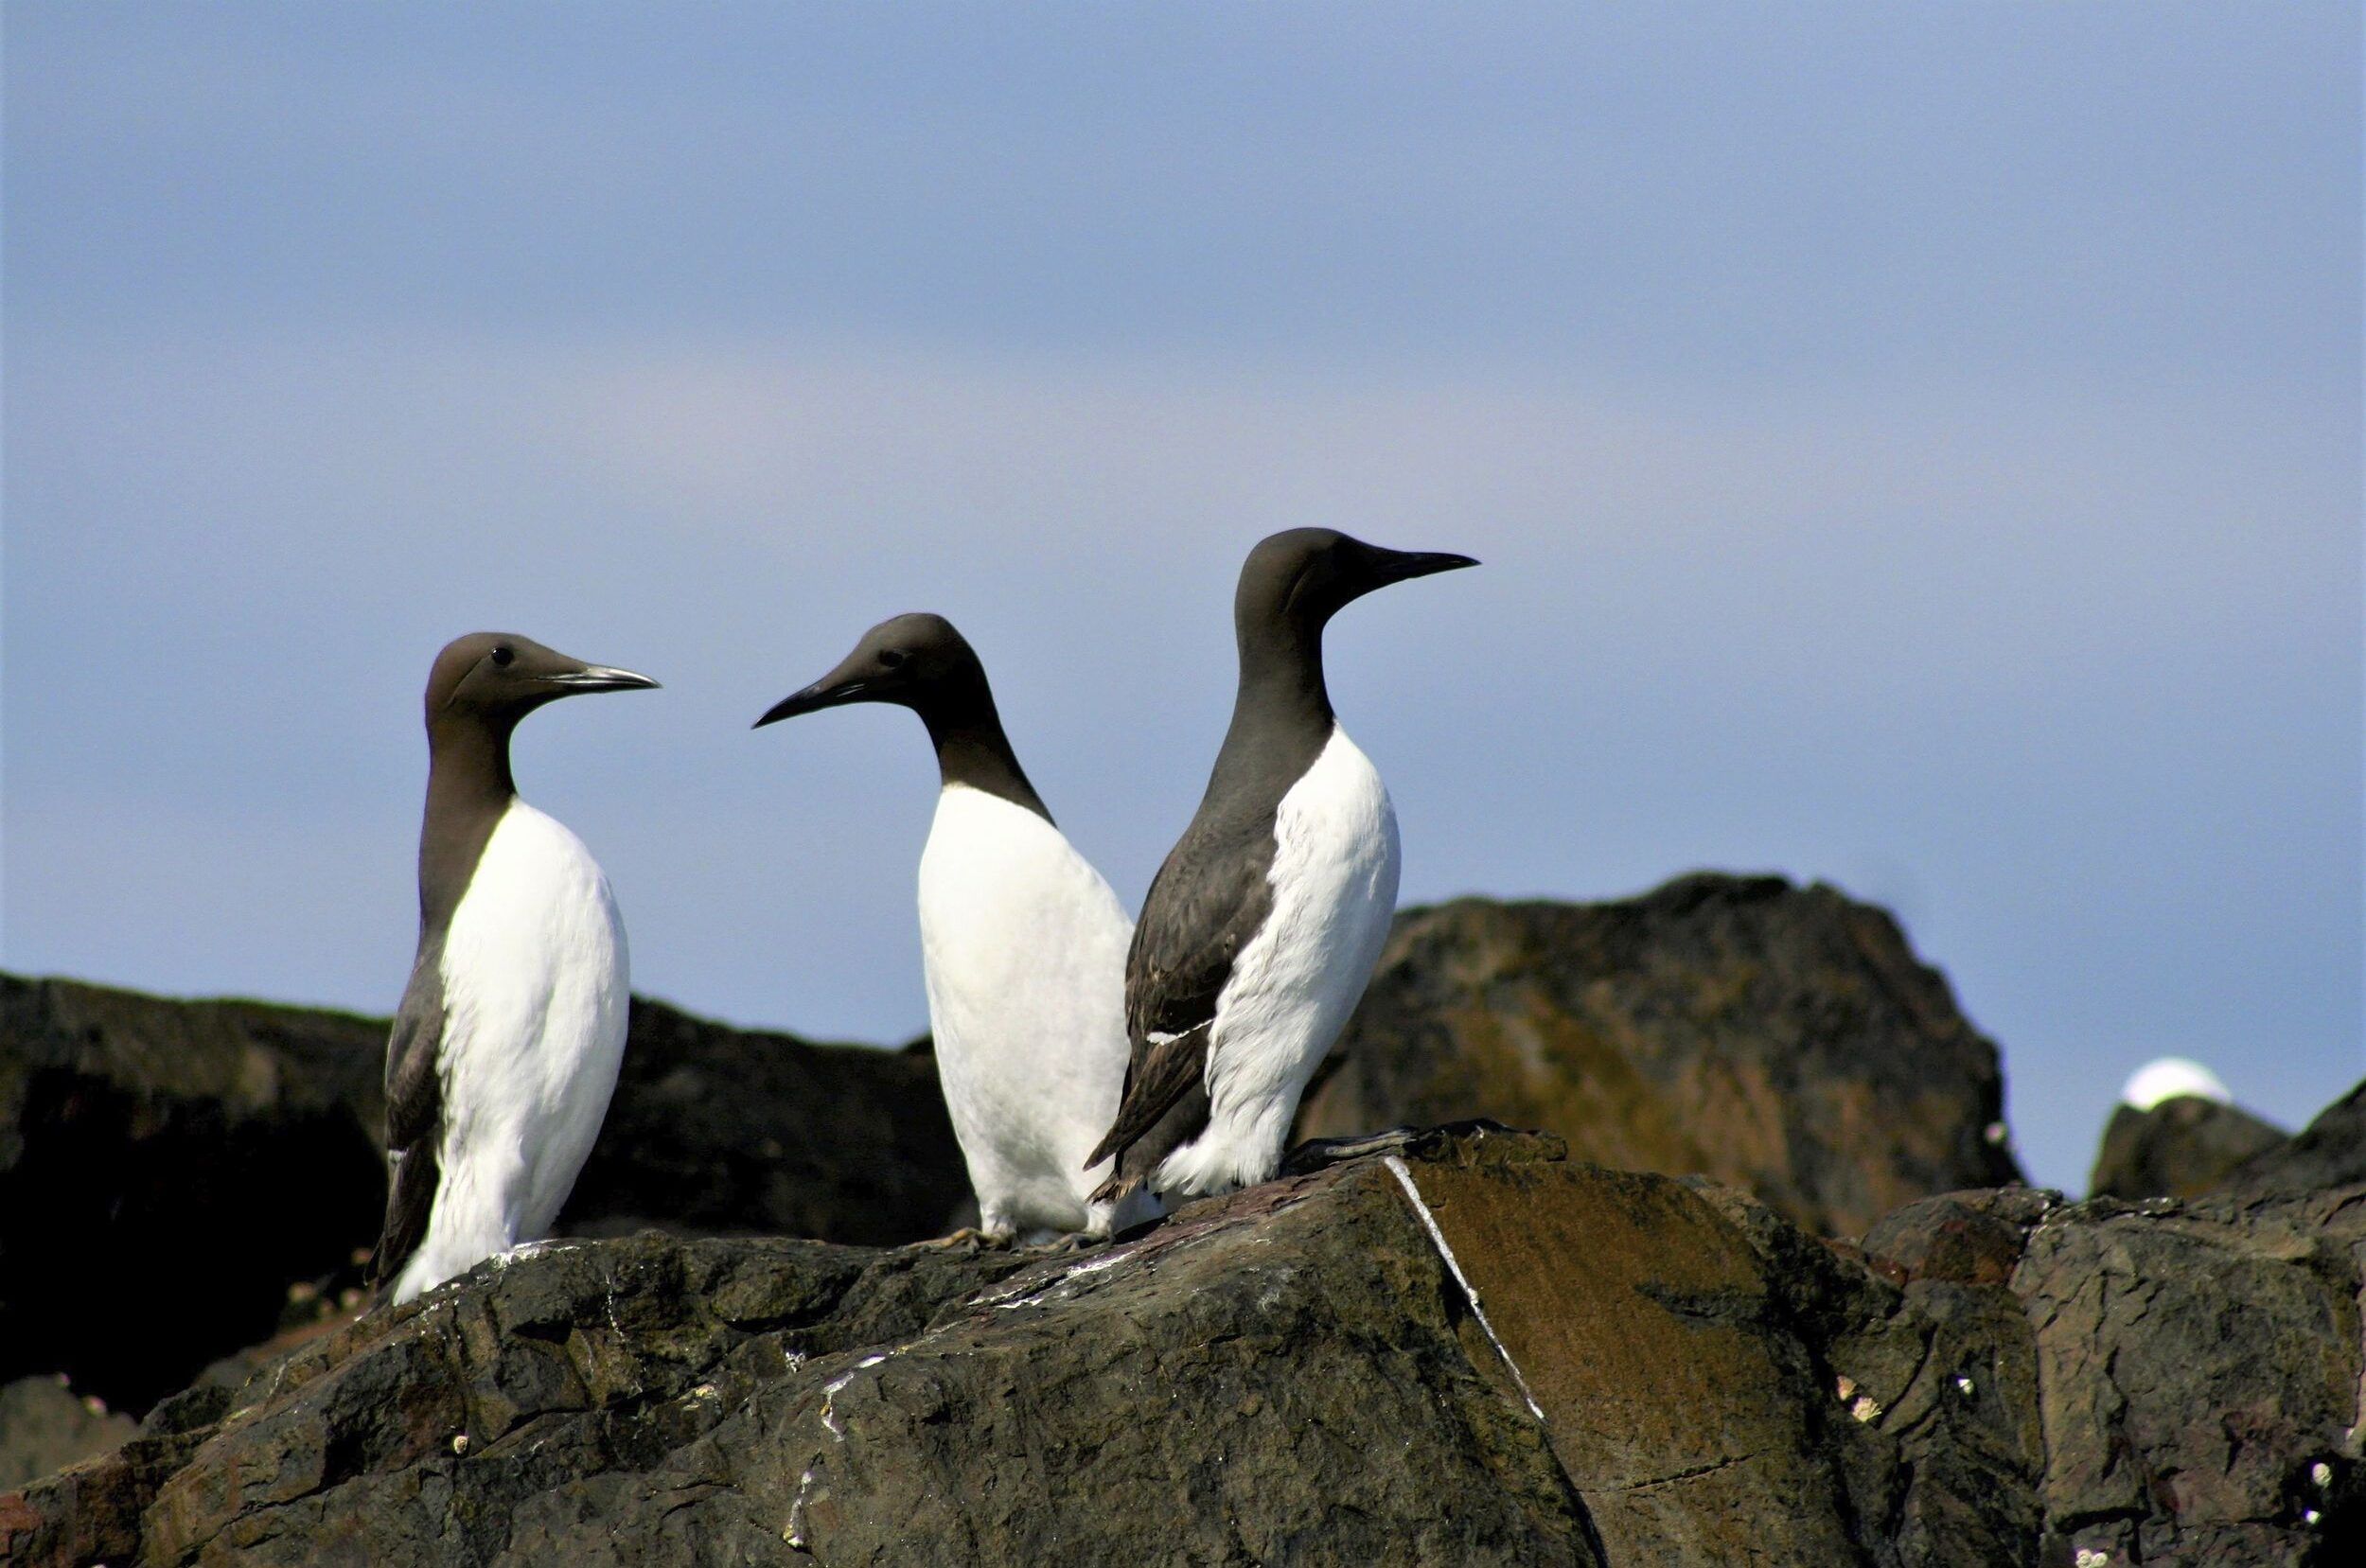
1780	1039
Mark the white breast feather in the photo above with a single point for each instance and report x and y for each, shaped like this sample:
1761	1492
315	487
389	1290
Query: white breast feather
1025	948
1299	978
536	999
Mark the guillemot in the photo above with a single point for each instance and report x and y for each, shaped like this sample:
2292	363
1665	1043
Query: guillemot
504	1051
1264	923
1022	941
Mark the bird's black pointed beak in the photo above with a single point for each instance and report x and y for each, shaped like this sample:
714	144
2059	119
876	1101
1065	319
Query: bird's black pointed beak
600	678
857	678
829	692
1397	566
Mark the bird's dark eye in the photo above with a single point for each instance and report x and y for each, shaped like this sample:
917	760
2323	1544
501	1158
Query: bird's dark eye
503	653
891	657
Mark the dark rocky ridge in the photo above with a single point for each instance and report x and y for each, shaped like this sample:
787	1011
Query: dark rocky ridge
146	1145
1664	1373
1667	1371
2329	1151
1780	1039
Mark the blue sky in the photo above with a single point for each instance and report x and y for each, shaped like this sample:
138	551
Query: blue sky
1915	446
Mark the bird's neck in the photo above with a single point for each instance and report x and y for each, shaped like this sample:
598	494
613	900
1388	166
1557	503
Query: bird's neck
469	788
1283	708
971	748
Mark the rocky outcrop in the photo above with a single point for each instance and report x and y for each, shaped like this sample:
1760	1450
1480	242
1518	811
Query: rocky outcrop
1781	1040
170	1171
1462	1348
1778	1039
2329	1151
2182	1147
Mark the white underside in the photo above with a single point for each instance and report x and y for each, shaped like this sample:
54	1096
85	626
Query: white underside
1025	948
1296	981
536	994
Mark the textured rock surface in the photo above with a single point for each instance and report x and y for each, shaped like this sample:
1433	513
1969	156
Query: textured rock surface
2180	1148
2196	1368
146	1144
1468	1351
2182	1380
1782	1040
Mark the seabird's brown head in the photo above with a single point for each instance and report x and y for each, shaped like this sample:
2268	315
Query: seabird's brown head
498	677
917	661
480	686
1304	576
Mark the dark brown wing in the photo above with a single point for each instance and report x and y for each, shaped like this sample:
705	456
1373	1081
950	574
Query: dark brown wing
415	1115
1162	1073
1208	900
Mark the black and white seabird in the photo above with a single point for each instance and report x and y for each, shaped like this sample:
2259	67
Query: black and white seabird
506	1049
1265	923
1022	941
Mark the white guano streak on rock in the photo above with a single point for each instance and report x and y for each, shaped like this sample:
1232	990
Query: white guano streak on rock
830	1392
1058	1288
794	1531
1469	1292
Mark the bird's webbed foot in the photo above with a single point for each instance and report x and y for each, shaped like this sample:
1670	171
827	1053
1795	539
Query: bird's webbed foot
1322	1153
1068	1242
